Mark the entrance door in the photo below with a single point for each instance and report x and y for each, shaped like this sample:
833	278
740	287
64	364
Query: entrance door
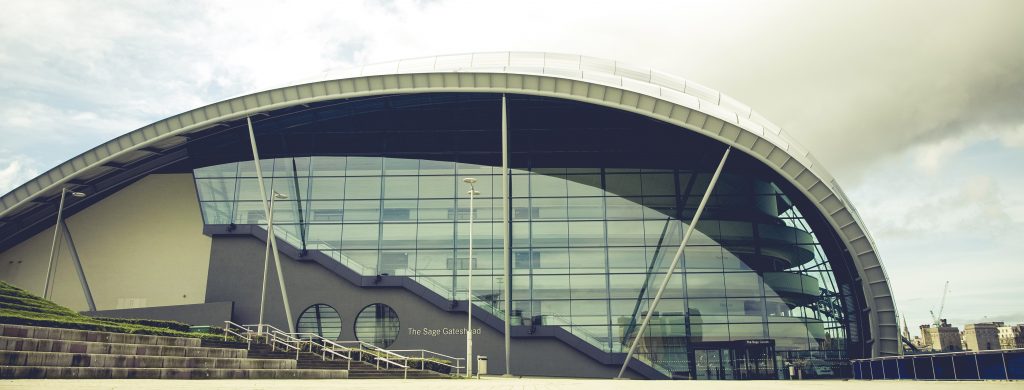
709	364
743	359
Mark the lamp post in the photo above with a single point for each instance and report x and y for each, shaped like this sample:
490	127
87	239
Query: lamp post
266	255
469	290
56	233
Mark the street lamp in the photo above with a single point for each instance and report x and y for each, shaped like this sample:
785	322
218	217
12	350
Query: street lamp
56	232
266	255
469	294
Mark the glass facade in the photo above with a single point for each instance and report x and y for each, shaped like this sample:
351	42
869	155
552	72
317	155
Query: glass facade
595	218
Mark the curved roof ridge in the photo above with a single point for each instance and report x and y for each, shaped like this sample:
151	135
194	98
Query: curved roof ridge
608	72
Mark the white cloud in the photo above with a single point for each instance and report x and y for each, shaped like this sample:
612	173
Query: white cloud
1014	138
14	171
930	158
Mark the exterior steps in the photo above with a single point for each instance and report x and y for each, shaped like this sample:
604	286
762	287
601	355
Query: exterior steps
38	352
307	360
35	372
91	347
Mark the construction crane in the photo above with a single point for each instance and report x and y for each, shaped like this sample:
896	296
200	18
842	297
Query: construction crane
937	319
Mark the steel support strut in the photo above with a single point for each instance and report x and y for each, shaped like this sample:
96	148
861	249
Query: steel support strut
53	247
78	265
507	240
675	262
270	227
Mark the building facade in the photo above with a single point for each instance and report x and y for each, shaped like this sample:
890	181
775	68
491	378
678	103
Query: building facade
982	336
1011	336
942	338
606	167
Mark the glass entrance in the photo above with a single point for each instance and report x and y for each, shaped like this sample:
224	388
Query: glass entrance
743	359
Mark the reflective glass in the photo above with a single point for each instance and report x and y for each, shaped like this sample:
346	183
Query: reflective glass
584	258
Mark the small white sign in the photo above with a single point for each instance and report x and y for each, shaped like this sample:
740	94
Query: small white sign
434	332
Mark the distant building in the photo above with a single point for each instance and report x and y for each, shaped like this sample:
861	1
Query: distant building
944	338
982	336
1011	336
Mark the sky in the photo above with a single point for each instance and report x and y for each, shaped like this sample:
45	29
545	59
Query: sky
916	107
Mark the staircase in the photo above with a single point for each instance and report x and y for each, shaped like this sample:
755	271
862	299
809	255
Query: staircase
357	369
29	352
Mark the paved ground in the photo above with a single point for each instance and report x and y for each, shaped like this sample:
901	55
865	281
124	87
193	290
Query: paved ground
490	383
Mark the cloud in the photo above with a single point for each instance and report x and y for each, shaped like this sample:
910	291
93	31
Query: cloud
855	82
15	170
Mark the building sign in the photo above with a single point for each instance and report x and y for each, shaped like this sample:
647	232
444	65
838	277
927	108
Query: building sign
434	332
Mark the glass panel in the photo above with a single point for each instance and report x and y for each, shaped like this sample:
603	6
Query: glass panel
623	184
377	324
363	166
216	189
584	185
401	187
362	188
321	320
586	208
547	186
328	166
437	186
361	211
360	236
328	188
401	166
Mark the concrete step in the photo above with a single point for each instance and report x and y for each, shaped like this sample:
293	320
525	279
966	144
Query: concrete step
46	345
35	332
37	372
394	374
62	359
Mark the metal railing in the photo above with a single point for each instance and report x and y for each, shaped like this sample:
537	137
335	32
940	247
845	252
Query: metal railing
240	331
347	350
1005	364
455	364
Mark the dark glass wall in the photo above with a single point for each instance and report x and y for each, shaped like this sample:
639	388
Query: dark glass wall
600	200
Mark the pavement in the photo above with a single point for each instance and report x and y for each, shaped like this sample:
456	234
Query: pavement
495	383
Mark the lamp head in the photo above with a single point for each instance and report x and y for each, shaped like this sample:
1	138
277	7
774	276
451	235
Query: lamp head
77	194
473	192
469	180
280	196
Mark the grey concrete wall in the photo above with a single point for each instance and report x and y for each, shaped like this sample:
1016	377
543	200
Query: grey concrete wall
236	273
212	314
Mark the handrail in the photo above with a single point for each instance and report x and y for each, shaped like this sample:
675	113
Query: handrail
245	333
423	358
341	349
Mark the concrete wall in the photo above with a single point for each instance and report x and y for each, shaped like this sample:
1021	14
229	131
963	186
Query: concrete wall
236	274
142	246
209	314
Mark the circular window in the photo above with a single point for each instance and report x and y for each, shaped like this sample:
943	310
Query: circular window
322	320
377	324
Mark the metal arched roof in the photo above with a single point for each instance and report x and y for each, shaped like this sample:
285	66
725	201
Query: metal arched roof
593	80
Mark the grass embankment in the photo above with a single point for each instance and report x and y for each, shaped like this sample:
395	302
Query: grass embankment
19	307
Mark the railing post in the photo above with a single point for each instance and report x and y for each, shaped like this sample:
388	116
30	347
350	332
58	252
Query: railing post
1006	371
932	359
977	368
914	363
953	362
